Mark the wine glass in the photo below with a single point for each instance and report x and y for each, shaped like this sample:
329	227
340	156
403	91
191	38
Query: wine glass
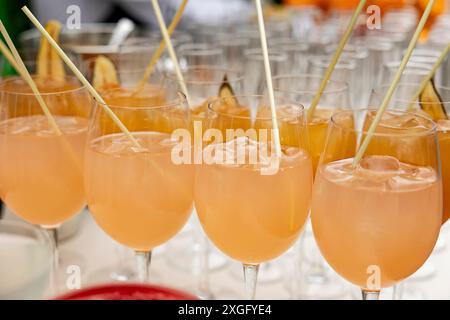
129	66
345	70
254	68
359	209
335	98
402	100
201	54
242	186
204	84
41	171
136	193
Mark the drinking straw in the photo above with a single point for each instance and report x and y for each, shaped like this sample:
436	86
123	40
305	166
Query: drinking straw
151	66
27	77
265	51
173	56
430	75
80	76
8	55
335	59
394	84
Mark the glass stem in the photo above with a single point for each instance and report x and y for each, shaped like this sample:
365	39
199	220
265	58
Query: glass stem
53	237
203	289
397	291
370	295
250	278
143	260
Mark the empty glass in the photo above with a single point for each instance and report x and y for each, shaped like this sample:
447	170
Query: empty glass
255	77
200	54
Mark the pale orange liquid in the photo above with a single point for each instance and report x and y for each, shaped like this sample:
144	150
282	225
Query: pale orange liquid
138	197
41	174
251	217
444	144
376	217
318	128
404	148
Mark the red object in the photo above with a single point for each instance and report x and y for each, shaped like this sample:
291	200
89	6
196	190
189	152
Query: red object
127	292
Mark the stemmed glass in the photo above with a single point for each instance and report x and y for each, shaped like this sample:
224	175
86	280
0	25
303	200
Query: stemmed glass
204	84
129	65
41	173
139	196
252	204
254	68
359	210
335	98
201	54
345	70
402	100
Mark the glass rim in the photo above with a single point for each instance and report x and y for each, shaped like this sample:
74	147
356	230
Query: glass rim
432	131
378	92
168	105
410	65
201	49
131	71
257	55
344	84
239	77
324	61
301	108
43	94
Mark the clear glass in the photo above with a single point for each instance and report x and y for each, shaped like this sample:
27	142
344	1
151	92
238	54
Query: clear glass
297	51
228	193
381	51
402	101
414	73
122	179
358	213
234	48
255	77
129	66
41	171
204	84
345	70
335	98
303	89
439	39
25	271
362	87
200	54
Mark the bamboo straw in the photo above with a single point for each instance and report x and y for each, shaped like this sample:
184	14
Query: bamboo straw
262	32
8	56
26	75
430	76
80	76
151	66
335	59
173	56
394	84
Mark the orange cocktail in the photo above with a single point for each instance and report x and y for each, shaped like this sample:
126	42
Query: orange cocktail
41	173
365	214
